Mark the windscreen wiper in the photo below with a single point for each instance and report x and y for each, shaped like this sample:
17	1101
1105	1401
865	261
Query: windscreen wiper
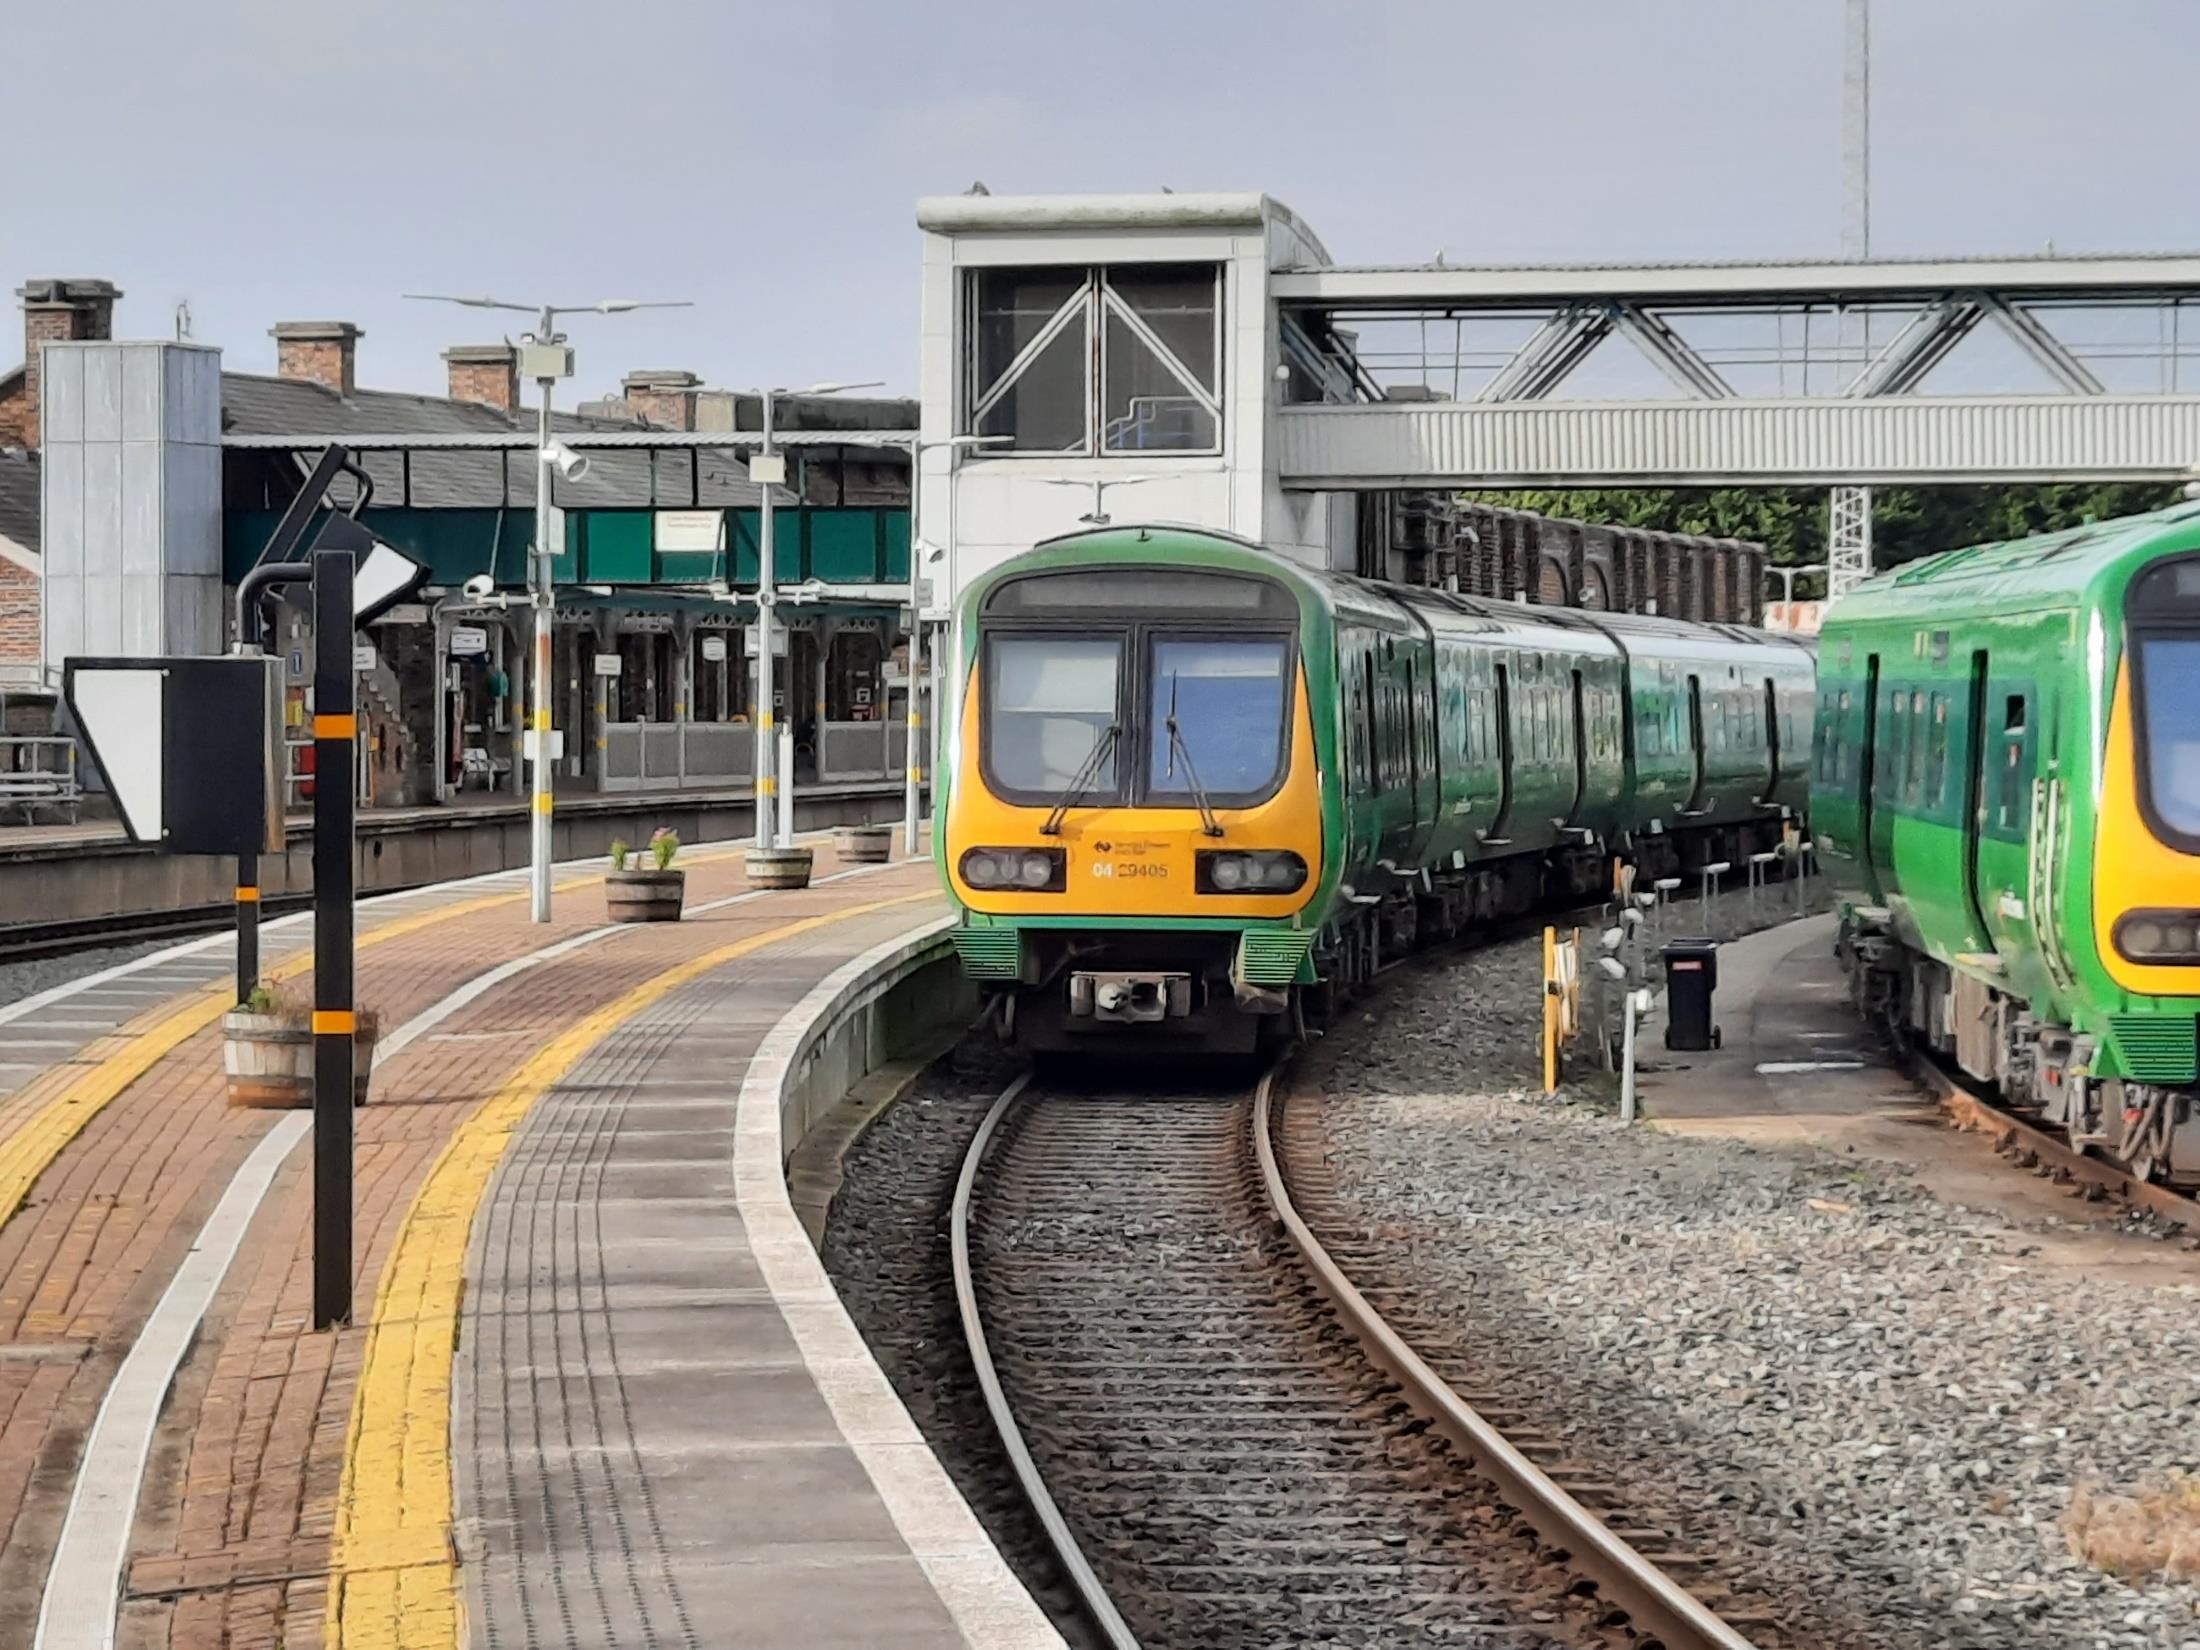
1081	781
1178	750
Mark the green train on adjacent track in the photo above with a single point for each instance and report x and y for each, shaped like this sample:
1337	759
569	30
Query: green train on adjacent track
2006	788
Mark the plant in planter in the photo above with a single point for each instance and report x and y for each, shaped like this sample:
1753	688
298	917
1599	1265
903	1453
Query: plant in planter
267	1048
646	893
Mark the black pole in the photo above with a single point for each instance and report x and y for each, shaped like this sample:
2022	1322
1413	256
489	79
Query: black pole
334	1018
248	918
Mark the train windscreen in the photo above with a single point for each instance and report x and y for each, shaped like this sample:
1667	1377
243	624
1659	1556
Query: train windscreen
1049	702
1227	700
2169	668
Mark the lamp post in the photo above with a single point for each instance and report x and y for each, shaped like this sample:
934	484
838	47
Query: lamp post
546	357
912	793
768	469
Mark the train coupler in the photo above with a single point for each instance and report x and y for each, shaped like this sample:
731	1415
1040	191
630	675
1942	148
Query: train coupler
1130	998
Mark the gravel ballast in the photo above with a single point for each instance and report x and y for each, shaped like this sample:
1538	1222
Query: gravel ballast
1866	1408
26	979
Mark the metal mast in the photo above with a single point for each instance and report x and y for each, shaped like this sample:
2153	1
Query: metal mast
1849	536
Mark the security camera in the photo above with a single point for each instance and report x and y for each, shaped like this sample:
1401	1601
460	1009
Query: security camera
481	584
571	465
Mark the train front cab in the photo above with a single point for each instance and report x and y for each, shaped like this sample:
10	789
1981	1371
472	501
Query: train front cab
2146	869
1135	822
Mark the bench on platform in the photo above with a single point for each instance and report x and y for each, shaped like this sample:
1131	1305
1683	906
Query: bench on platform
39	773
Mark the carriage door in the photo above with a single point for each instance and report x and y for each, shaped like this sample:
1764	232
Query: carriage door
1868	779
1772	742
1974	801
1503	822
1695	741
1581	752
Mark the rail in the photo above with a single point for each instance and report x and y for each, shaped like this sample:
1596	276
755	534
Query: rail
1090	1590
1657	1605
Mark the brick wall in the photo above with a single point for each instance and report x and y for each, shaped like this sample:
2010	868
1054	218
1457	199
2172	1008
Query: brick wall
18	614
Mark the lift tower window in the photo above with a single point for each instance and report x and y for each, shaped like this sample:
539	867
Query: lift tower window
1114	361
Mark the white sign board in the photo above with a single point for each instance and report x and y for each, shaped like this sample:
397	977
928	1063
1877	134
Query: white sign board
689	529
756	643
363	656
714	648
531	740
468	640
769	469
609	664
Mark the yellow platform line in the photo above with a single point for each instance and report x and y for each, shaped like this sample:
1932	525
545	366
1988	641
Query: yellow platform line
393	1581
30	1150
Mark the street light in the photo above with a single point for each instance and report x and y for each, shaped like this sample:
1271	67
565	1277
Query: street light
911	801
768	470
545	357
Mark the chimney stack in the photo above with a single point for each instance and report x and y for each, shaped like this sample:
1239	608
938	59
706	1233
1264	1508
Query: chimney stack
485	373
318	352
665	399
55	309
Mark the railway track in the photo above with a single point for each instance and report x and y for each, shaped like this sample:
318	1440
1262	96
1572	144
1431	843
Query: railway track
2032	1144
1228	1443
32	941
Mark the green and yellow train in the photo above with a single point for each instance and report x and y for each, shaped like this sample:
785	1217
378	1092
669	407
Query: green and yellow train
1195	790
2006	786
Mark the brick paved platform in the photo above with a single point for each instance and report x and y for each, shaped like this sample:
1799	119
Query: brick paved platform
568	1082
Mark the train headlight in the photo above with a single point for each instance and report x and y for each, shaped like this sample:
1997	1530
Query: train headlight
2159	937
1249	871
1016	870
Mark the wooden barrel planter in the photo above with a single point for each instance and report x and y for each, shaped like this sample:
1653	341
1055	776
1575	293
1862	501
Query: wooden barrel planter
644	896
864	844
269	1059
779	867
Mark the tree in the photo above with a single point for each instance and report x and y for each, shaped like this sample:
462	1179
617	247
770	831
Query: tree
1907	522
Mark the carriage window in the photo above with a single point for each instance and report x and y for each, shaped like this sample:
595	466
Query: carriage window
1050	701
2009	808
2170	692
1936	762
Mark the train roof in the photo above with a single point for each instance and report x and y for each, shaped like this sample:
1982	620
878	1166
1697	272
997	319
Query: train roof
2076	567
1641	634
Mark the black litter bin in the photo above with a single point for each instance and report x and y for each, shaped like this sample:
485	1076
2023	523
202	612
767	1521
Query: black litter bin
1691	976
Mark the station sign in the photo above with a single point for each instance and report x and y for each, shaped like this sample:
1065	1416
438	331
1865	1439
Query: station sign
610	666
714	648
191	748
363	656
468	641
689	530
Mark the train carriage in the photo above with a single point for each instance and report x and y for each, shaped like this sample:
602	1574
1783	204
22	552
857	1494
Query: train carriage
2006	785
1194	789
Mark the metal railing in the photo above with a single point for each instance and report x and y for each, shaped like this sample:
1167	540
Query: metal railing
39	771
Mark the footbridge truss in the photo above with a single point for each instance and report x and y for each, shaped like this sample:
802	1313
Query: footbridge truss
1939	370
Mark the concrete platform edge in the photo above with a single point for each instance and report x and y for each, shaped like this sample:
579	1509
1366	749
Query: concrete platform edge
819	1050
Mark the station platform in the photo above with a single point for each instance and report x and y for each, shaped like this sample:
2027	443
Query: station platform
1800	1069
597	1390
82	873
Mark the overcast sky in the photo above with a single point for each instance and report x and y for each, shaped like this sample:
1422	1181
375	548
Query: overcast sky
299	160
